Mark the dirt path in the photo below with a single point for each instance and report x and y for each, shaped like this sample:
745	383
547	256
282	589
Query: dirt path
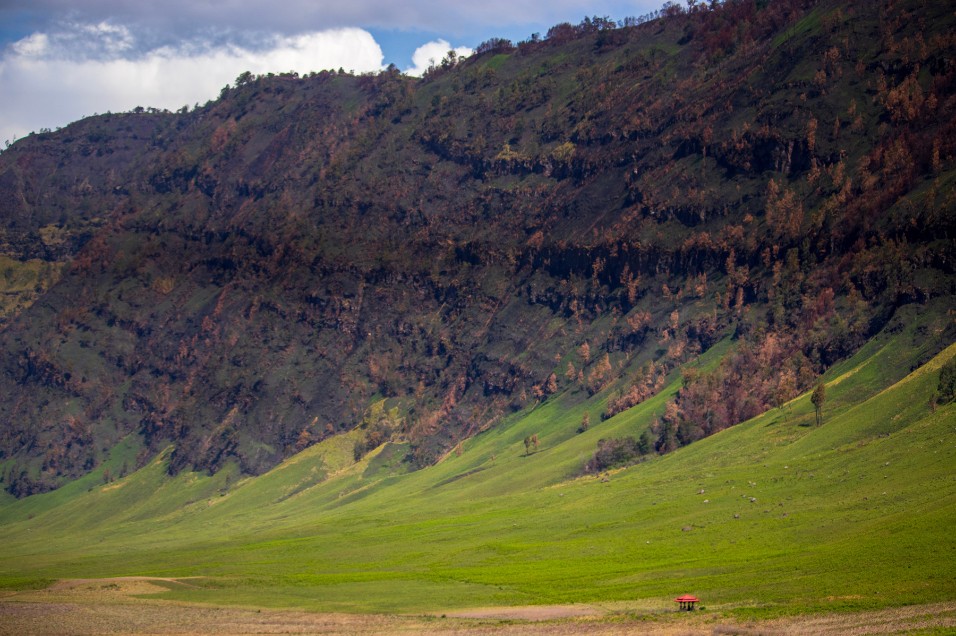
531	612
115	606
889	621
125	584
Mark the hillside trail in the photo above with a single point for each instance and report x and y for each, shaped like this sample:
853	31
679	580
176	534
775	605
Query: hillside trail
122	605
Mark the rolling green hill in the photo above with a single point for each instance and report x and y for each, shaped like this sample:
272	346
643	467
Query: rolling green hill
776	515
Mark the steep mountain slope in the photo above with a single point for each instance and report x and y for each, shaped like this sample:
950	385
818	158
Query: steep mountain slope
775	516
573	215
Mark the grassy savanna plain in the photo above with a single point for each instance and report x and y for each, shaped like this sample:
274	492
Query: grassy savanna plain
776	520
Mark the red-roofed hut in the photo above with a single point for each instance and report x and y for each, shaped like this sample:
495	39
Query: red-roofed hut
687	601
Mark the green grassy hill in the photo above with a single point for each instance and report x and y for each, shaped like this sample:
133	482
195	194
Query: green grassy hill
775	515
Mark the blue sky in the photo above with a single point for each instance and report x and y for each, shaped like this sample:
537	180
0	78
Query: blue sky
61	60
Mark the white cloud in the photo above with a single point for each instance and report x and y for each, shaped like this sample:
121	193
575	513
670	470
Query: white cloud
34	45
184	18
53	79
431	54
112	39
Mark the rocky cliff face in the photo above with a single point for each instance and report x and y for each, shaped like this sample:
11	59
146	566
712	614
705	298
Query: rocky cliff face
580	214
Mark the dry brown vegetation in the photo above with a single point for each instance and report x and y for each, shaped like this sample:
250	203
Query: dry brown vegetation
122	606
244	279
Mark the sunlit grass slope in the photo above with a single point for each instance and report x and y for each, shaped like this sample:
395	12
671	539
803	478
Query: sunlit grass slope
774	515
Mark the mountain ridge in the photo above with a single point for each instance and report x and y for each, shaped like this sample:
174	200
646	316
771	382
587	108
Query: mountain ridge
577	215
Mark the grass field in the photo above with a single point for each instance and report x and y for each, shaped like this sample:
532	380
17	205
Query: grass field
770	519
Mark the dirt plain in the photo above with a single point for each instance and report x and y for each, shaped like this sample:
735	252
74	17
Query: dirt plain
118	606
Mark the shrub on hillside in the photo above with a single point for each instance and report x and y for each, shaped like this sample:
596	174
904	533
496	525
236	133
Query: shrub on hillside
617	452
946	389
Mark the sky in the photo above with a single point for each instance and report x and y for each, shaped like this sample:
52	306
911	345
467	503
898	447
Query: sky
62	60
